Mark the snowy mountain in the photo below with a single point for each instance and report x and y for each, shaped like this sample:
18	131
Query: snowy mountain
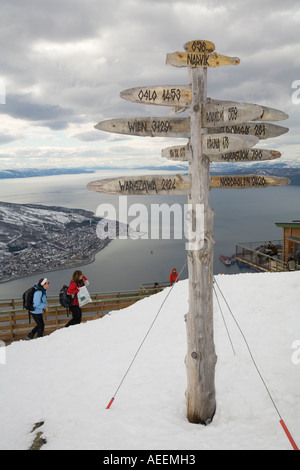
65	381
32	172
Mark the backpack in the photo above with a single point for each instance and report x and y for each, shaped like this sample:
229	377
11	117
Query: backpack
28	300
65	299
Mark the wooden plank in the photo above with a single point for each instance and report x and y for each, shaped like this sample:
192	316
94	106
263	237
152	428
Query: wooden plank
247	155
193	59
179	184
143	185
260	129
225	113
162	95
199	46
147	126
182	153
214	144
271	114
180	96
268	114
247	181
177	153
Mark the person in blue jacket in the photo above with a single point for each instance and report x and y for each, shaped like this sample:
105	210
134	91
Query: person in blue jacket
39	305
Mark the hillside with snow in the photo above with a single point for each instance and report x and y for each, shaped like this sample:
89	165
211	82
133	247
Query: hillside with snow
67	379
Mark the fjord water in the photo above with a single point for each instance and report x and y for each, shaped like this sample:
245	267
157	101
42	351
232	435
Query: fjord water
241	216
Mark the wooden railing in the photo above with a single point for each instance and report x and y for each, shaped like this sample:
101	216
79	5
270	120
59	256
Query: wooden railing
249	253
15	323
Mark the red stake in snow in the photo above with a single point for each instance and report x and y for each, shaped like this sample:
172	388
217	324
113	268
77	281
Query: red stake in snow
287	432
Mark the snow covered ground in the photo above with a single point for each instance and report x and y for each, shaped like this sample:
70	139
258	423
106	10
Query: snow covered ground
68	378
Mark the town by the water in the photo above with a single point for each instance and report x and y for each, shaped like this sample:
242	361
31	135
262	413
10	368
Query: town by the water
36	238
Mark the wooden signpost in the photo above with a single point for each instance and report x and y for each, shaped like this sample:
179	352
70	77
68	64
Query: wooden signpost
220	131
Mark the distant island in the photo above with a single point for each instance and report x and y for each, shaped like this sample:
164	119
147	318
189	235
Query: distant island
36	238
34	172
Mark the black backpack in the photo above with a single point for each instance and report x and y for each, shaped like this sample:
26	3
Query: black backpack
28	300
65	299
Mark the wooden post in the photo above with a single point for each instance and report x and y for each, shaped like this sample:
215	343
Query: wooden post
201	358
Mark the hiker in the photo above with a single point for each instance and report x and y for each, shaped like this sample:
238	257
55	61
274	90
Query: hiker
271	249
173	277
39	306
78	280
291	264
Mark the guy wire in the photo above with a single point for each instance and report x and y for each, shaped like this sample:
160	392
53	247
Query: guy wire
249	349
146	335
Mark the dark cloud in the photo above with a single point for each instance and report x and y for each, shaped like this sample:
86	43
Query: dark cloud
64	62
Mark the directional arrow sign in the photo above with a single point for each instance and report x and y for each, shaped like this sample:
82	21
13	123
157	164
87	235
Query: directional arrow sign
193	59
143	185
223	113
213	144
268	114
247	181
162	95
178	153
147	127
179	184
259	129
182	153
248	155
199	46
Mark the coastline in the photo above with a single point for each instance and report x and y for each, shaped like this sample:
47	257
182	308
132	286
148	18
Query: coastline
82	262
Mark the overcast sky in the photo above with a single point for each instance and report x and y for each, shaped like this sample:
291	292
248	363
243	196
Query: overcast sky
65	62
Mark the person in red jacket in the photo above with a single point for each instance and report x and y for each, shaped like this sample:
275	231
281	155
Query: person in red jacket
78	280
173	276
